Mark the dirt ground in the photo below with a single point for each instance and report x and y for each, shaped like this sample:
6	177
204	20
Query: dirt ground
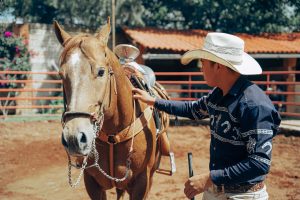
34	164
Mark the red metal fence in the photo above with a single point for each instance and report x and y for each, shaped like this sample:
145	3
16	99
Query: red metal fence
180	86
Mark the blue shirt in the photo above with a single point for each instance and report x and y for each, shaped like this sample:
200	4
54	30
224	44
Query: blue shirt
242	124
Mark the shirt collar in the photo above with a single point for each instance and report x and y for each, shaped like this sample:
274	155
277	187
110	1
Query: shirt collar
234	90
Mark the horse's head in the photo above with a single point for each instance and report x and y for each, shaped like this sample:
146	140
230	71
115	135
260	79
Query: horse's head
86	74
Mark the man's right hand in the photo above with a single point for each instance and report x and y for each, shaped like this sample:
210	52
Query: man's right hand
143	96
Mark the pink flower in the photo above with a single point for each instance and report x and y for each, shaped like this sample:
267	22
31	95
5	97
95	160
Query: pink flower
7	34
17	49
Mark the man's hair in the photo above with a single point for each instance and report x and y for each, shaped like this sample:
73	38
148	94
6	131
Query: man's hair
228	68
212	62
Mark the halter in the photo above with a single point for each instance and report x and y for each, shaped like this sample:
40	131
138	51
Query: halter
97	117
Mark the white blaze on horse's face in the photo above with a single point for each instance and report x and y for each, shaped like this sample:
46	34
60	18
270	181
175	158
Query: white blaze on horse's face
75	58
85	88
78	132
84	71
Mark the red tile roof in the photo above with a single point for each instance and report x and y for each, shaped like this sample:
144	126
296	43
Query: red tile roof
180	41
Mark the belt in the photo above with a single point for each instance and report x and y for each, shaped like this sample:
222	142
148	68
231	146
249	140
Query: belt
238	188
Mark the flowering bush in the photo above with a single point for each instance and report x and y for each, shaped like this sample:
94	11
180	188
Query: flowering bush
14	56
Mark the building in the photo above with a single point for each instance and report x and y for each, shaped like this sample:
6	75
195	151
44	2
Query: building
162	49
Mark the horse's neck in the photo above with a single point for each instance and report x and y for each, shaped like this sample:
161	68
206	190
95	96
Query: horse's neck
122	110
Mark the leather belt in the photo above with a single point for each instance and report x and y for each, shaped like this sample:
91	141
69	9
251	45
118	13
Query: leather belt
238	188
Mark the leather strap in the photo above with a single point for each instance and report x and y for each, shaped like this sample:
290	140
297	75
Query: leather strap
126	133
111	163
239	188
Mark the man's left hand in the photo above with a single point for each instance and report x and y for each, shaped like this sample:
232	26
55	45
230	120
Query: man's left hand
197	184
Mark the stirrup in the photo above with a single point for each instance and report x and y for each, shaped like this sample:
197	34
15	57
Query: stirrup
172	164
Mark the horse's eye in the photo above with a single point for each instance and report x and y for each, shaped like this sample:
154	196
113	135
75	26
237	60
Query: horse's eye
101	72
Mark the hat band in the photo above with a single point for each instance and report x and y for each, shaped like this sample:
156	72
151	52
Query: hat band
223	50
231	54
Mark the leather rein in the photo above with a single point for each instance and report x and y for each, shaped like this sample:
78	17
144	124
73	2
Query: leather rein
98	118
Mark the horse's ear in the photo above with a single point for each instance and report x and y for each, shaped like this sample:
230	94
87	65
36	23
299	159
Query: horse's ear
61	35
104	32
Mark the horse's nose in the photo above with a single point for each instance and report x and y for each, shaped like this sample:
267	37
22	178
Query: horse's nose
64	141
82	139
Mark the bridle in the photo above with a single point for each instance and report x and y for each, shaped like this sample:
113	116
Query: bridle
97	117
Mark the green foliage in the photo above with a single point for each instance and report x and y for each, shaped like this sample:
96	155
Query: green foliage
14	56
248	16
54	103
41	11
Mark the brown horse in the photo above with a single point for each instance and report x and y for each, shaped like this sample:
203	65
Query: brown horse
112	135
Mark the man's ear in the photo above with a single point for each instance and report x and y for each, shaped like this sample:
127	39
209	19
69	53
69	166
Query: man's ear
217	66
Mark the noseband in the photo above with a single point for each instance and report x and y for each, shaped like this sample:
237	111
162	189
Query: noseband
98	116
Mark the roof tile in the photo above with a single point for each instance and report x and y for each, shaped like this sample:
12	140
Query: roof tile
179	41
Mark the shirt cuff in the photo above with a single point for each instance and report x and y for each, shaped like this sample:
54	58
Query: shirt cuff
217	176
157	102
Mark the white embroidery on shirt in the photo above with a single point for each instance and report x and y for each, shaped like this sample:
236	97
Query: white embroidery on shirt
212	118
222	139
257	131
237	133
223	109
251	145
261	159
267	144
228	126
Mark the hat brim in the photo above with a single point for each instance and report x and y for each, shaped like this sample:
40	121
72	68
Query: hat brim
249	66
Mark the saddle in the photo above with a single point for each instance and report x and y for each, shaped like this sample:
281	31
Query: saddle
143	77
161	119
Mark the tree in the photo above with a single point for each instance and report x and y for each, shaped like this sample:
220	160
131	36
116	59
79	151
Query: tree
248	16
129	13
14	56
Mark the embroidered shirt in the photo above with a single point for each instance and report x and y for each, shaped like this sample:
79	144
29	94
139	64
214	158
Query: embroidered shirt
242	124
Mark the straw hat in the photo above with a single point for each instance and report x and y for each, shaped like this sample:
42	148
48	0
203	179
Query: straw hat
227	50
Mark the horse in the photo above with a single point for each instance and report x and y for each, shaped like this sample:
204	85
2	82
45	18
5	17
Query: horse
112	135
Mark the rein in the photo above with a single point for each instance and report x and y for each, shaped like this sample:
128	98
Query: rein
98	118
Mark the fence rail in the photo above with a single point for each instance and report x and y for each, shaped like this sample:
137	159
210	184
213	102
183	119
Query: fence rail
184	87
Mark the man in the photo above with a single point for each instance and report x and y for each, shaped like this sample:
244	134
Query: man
243	121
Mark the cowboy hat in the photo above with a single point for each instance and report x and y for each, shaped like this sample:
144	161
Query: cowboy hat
227	50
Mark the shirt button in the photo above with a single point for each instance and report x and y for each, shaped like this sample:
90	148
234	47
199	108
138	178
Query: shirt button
214	148
213	164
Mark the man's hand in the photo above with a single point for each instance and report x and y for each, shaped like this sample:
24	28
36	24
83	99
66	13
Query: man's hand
197	184
143	96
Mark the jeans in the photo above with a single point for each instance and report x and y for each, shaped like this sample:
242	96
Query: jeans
210	194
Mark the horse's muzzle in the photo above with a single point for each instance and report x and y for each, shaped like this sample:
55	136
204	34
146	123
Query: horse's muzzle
77	144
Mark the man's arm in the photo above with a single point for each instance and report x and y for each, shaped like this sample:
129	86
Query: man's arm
258	126
190	109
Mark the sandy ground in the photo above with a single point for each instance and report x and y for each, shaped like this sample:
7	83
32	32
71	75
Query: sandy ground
34	164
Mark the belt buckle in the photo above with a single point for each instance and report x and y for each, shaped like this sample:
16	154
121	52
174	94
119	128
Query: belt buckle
257	187
220	188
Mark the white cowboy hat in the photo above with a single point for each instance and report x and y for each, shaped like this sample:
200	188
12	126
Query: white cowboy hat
227	50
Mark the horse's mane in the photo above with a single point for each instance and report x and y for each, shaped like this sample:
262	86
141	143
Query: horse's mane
72	43
76	41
